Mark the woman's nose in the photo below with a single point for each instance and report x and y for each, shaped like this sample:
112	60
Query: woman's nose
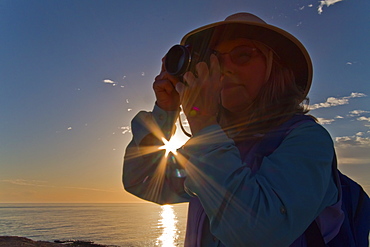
227	66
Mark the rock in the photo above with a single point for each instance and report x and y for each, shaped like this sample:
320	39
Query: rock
14	241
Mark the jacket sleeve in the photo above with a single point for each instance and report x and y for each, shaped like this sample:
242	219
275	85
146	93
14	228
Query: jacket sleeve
147	172
271	207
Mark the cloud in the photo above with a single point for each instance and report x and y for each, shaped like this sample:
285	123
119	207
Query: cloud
357	95
327	3
352	150
108	81
25	182
332	101
38	183
325	121
364	119
89	189
125	129
356	113
353	141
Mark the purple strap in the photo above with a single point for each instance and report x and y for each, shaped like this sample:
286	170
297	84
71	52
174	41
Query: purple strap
196	217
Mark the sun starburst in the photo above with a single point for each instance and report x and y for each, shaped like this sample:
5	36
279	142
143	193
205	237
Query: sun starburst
170	146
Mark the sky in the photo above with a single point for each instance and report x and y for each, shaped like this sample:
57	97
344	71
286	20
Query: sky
74	73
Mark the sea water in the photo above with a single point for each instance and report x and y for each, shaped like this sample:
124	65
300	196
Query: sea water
136	224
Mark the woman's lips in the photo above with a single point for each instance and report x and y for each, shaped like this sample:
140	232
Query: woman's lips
230	85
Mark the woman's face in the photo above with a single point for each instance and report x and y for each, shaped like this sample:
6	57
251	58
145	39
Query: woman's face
243	70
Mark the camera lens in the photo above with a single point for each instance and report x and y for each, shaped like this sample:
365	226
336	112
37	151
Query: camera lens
177	60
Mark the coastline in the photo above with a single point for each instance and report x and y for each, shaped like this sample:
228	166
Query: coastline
107	225
15	241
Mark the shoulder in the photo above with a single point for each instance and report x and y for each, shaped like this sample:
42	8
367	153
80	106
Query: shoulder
300	131
310	130
309	139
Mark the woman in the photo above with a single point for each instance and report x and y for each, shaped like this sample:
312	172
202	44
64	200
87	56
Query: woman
242	191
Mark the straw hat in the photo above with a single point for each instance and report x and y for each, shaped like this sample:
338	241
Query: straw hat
245	25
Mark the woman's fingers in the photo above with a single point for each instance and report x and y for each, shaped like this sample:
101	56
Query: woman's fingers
166	95
180	87
202	71
215	69
201	91
189	78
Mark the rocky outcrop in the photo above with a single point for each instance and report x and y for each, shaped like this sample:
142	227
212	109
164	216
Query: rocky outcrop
14	241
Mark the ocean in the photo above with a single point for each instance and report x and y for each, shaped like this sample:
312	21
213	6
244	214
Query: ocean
126	224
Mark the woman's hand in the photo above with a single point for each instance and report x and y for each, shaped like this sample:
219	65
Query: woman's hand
200	97
164	88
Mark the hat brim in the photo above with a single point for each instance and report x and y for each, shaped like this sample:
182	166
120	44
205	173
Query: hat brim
289	49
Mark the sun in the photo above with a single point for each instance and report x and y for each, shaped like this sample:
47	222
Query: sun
171	146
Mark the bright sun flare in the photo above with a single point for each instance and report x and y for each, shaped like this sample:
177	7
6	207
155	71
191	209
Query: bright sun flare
171	146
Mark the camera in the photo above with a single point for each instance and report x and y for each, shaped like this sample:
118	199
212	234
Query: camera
183	58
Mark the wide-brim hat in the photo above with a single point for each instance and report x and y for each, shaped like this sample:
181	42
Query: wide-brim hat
245	25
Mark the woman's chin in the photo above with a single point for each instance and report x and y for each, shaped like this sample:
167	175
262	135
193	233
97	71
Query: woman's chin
235	102
234	108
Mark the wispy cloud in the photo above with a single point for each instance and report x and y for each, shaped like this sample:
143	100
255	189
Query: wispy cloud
360	115
355	140
114	83
326	3
356	113
125	129
38	183
25	182
364	119
332	101
325	121
108	81
89	189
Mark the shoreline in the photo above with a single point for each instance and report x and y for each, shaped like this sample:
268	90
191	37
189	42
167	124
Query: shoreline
16	241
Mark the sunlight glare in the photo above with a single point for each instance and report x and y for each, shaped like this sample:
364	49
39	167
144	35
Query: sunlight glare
171	146
168	222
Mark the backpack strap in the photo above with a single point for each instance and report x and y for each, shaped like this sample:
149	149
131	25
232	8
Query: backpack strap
354	231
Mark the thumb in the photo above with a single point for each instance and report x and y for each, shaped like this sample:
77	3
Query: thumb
180	87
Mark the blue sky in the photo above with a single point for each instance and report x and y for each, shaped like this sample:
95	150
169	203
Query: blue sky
74	73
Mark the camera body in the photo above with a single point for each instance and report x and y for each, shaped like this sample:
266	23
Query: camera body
183	58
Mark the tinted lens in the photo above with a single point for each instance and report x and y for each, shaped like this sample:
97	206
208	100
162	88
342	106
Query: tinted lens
241	54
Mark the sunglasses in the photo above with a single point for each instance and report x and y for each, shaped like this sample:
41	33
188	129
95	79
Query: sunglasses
240	55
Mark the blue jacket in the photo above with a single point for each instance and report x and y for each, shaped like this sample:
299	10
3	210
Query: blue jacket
233	203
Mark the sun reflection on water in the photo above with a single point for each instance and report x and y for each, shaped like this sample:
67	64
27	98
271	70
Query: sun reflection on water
168	223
